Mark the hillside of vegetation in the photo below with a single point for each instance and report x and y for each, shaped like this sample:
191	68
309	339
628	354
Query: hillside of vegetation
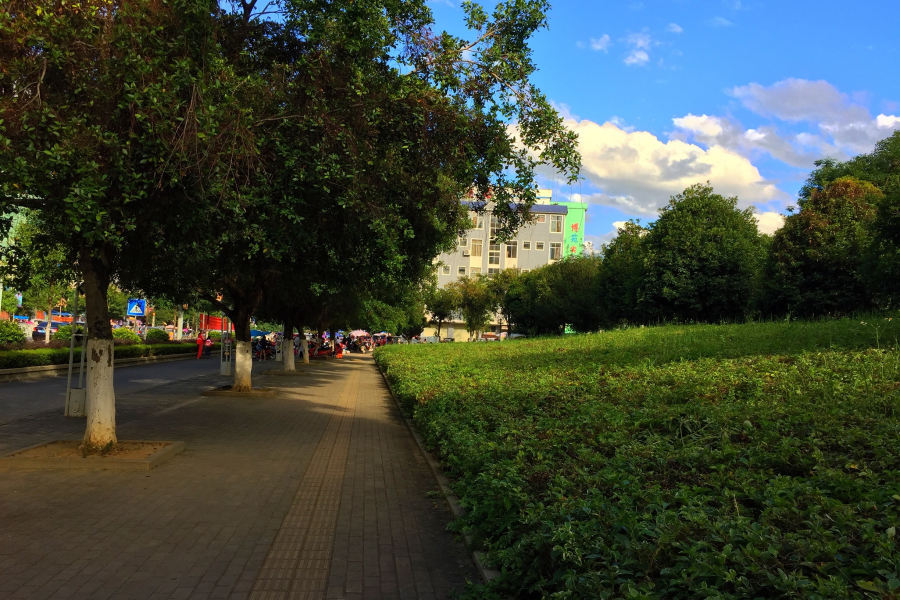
733	461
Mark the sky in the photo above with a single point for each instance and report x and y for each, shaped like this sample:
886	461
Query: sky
744	94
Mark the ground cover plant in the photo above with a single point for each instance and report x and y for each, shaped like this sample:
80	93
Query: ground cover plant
733	461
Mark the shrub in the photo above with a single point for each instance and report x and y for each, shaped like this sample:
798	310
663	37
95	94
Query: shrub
64	333
156	335
10	333
123	333
214	334
14	359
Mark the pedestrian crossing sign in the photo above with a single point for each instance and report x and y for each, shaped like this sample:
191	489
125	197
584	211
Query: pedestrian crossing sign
137	308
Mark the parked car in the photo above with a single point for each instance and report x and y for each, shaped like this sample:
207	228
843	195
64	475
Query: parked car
41	330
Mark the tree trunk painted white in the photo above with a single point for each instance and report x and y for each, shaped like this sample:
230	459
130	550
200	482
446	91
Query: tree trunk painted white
101	396
243	366
179	331
304	347
287	353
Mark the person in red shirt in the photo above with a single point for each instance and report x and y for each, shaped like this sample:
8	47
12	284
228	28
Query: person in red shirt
199	344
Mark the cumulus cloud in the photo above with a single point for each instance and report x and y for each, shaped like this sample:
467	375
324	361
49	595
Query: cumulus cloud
602	43
719	22
637	172
843	126
769	222
674	28
637	57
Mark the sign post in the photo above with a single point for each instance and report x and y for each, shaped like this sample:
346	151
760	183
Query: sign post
225	349
76	398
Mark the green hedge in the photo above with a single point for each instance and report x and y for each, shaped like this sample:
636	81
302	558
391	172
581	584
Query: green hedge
16	359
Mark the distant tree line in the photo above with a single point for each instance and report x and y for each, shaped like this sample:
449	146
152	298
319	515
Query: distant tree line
703	260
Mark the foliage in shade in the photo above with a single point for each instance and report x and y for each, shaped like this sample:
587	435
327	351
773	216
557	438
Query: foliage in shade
16	359
734	462
64	333
10	333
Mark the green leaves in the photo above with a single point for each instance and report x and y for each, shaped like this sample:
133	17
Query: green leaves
733	462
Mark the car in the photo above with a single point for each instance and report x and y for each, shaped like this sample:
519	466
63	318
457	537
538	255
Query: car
40	329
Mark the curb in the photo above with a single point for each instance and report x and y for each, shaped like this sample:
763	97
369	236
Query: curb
487	574
102	464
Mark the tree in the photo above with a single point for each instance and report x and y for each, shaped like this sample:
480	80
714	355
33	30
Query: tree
703	257
880	267
621	276
95	135
498	285
814	264
442	303
546	300
476	302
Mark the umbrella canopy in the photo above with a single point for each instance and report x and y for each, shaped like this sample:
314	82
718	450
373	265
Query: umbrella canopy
257	333
359	332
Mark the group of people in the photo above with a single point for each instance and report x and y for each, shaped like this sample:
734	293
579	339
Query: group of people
204	345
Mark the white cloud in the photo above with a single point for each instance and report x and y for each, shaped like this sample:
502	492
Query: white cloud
674	28
640	46
637	57
769	222
602	43
637	172
720	22
845	126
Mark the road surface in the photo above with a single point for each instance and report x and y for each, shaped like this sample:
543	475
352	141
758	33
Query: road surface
20	399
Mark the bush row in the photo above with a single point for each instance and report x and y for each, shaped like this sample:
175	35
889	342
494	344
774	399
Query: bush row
733	462
15	359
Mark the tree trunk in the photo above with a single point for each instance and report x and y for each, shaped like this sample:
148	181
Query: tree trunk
101	395
179	326
243	350
287	346
304	346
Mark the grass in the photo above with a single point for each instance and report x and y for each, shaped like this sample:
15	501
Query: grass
733	461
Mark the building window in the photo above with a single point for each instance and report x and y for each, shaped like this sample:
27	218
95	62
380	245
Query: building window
494	254
445	269
511	249
495	226
526	245
556	223
539	245
475	271
462	241
477	247
493	271
461	271
555	250
542	218
477	221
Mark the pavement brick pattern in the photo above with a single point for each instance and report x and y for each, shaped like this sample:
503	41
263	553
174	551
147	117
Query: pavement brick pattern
320	491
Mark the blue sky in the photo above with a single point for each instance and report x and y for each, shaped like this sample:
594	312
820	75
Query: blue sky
744	94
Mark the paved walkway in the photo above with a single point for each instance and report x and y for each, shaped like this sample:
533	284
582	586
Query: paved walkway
318	493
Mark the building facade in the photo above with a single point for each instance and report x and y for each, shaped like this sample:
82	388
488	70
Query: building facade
556	232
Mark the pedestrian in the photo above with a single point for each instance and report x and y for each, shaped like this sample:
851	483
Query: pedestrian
199	345
208	344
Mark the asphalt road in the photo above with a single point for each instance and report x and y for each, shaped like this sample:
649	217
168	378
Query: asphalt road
20	399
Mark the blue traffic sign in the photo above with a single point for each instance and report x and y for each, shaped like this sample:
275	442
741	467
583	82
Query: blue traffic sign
137	308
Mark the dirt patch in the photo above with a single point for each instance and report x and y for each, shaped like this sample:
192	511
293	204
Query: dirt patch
73	449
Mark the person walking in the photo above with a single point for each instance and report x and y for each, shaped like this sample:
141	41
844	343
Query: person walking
208	344
199	345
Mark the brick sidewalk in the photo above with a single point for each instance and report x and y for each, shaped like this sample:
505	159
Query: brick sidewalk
318	493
